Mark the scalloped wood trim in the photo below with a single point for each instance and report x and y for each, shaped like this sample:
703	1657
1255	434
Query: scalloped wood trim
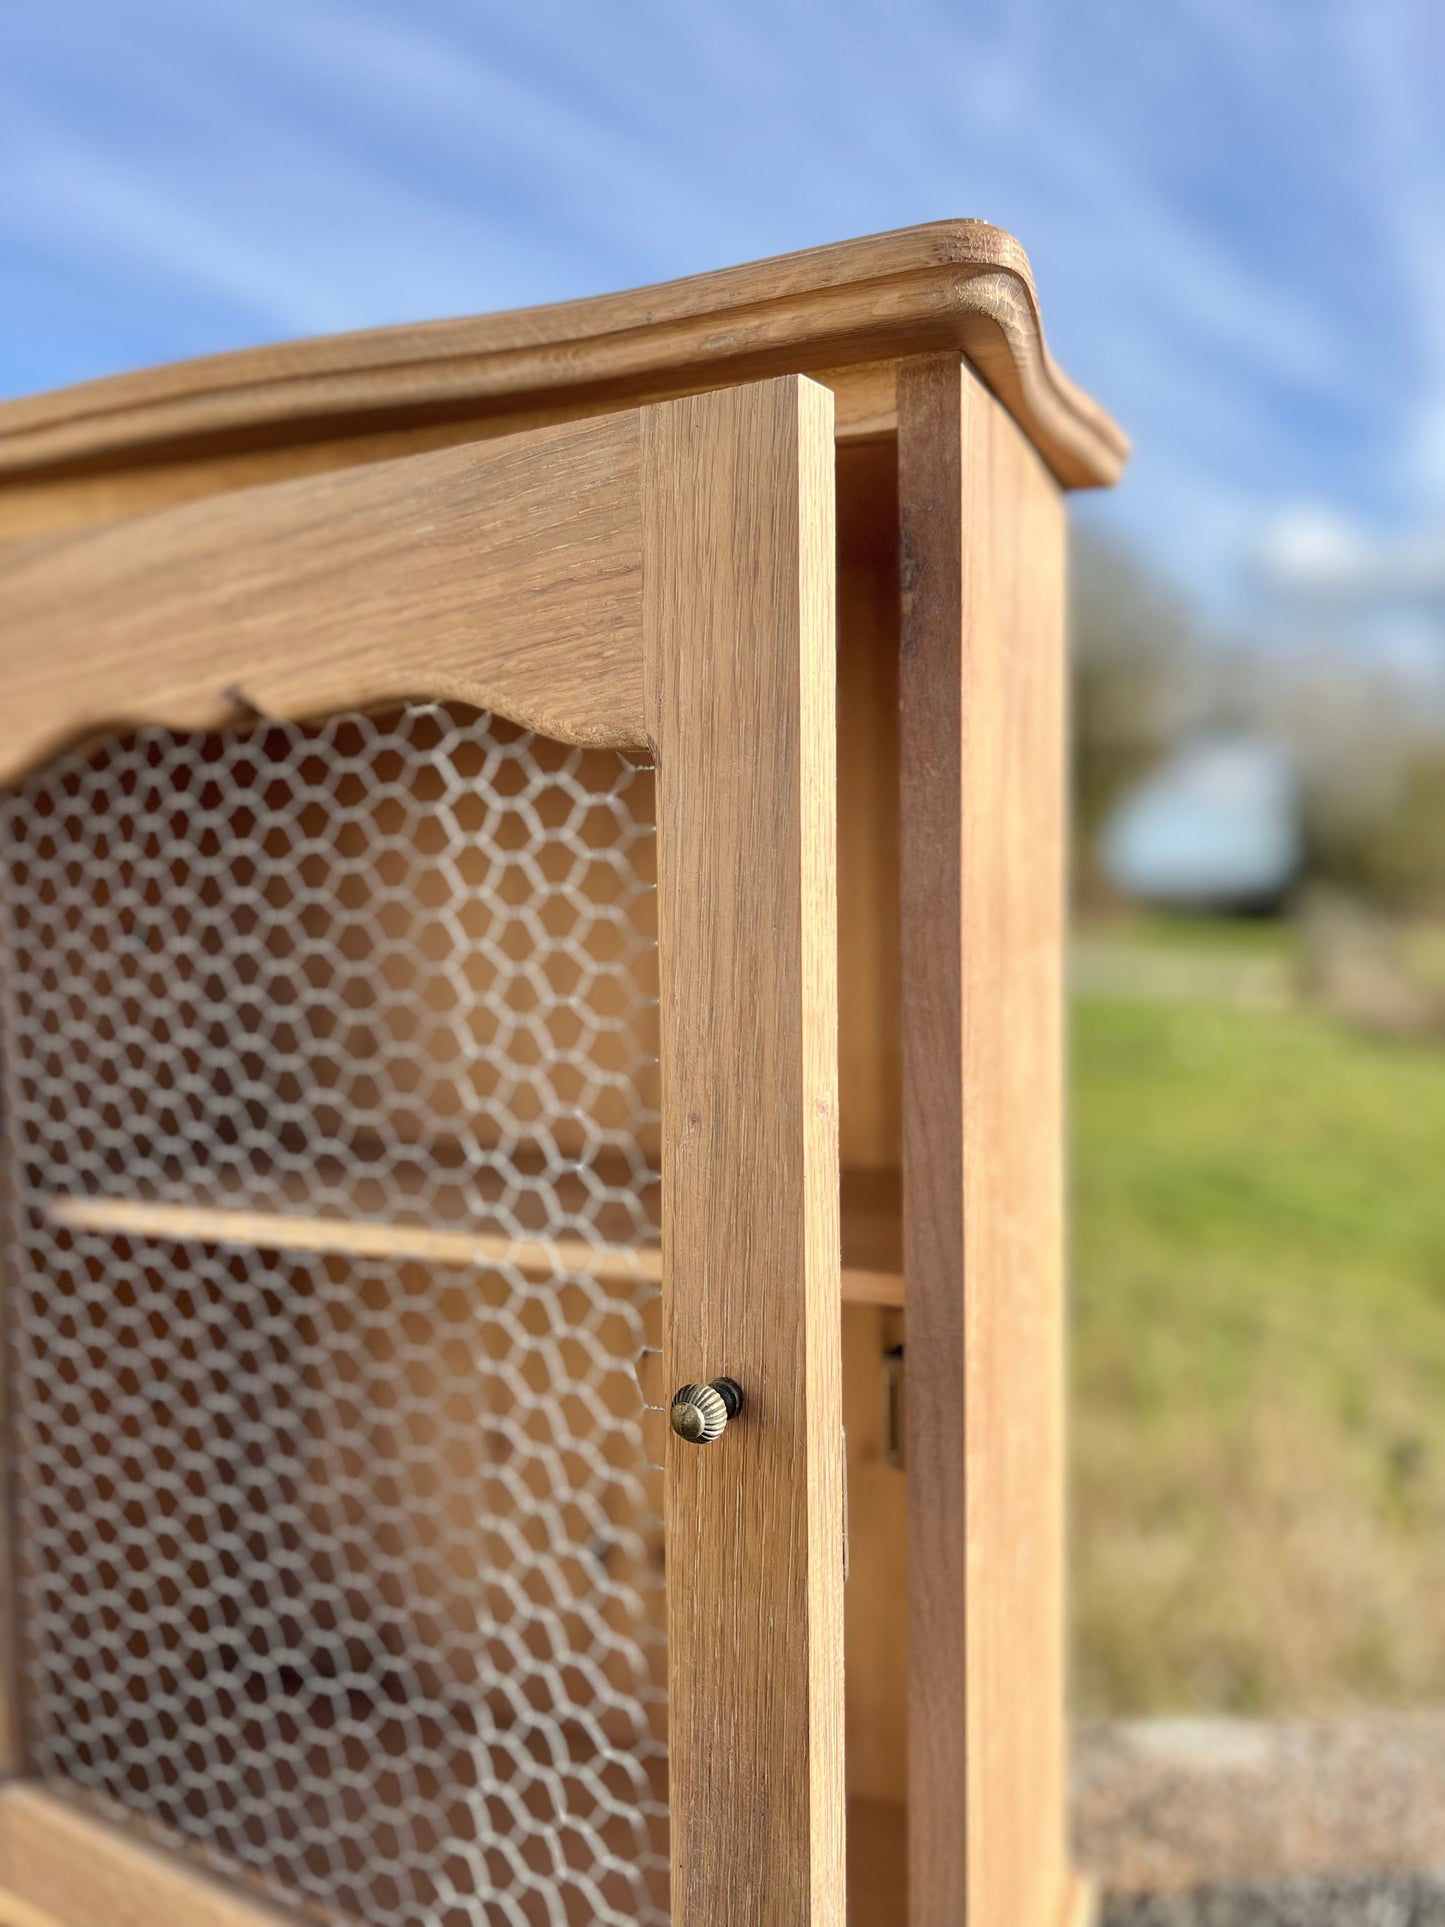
947	285
505	574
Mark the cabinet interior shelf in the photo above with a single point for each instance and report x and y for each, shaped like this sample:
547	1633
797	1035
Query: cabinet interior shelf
872	1271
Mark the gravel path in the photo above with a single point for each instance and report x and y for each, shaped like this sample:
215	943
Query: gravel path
1161	1806
1379	1900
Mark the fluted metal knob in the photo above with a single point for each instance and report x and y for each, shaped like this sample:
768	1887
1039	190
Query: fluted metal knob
700	1413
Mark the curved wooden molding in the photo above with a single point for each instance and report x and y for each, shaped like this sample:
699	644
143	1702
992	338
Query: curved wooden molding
959	285
506	574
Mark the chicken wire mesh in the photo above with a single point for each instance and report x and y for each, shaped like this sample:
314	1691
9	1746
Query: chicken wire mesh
338	1556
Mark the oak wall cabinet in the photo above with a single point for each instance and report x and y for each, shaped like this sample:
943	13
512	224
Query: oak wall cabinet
497	816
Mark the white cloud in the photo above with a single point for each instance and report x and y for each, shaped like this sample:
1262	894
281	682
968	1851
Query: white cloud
1313	551
1237	213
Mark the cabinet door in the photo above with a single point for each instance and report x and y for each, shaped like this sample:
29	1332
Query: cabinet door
420	1011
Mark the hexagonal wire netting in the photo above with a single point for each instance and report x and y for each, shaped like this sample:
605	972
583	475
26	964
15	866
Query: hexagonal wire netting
339	1558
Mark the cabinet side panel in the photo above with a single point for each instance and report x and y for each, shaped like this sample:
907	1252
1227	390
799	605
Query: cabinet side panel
983	837
739	627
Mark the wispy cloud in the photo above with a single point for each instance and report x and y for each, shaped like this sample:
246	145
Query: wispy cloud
1237	213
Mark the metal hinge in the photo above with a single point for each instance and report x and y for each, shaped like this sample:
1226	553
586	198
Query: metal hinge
895	1408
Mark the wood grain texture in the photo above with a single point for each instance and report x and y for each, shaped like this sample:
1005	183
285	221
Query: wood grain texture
55	499
505	575
959	285
85	1872
739	625
15	1912
983	816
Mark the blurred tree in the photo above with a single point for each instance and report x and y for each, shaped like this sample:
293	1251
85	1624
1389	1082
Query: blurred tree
1394	851
1367	750
1132	641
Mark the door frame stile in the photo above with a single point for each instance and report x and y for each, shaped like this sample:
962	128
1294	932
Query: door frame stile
739	644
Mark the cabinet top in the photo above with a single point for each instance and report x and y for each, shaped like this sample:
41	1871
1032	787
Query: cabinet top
947	285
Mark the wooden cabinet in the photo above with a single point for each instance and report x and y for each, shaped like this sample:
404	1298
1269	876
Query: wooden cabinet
533	879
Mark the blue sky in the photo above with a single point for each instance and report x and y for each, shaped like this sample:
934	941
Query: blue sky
1235	209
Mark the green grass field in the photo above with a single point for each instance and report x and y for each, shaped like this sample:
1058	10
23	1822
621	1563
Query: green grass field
1258	1425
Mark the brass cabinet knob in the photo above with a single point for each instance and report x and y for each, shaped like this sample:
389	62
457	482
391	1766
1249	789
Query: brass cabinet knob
700	1413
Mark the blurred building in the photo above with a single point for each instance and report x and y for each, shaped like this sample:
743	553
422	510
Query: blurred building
1215	827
